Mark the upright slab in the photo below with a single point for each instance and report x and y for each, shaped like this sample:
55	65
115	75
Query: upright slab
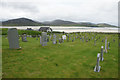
54	39
44	39
24	37
13	38
97	67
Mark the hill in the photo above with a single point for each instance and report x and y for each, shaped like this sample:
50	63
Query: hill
21	22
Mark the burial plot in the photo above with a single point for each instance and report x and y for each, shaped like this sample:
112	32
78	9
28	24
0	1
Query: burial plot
13	38
44	39
54	39
97	67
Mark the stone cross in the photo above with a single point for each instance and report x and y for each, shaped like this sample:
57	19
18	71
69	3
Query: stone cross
13	38
97	67
101	58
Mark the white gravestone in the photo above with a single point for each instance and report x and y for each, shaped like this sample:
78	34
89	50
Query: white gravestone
13	38
97	67
64	37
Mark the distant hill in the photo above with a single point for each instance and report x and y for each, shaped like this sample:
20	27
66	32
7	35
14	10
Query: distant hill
21	22
58	22
105	25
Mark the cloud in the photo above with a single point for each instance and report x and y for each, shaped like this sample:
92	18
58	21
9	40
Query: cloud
96	11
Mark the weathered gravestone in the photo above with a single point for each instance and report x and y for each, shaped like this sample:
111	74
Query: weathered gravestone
44	39
95	42
40	40
106	45
54	39
97	67
24	37
101	58
83	39
68	38
13	38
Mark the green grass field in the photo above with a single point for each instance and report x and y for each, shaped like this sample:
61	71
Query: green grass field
67	60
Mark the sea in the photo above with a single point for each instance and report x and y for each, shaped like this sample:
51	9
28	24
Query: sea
70	29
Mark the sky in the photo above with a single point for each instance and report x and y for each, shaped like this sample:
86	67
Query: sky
95	11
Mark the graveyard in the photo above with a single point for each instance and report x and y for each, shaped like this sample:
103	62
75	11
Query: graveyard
73	57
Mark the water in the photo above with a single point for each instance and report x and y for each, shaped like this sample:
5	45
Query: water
70	29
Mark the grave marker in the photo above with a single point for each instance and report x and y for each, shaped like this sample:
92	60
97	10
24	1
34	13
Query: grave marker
106	45
54	39
44	39
101	58
97	67
13	38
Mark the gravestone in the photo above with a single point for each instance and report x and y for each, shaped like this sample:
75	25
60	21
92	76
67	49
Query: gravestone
13	38
54	39
40	40
92	38
101	58
44	39
97	67
60	40
24	37
64	37
83	39
95	42
106	45
68	38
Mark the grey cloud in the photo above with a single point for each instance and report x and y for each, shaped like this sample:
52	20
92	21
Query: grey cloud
22	6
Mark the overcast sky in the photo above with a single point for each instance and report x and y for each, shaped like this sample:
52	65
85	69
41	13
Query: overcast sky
96	11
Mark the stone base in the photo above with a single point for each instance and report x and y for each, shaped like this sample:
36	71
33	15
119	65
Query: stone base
95	70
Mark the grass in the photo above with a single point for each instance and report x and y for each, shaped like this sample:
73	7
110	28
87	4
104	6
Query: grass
67	60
